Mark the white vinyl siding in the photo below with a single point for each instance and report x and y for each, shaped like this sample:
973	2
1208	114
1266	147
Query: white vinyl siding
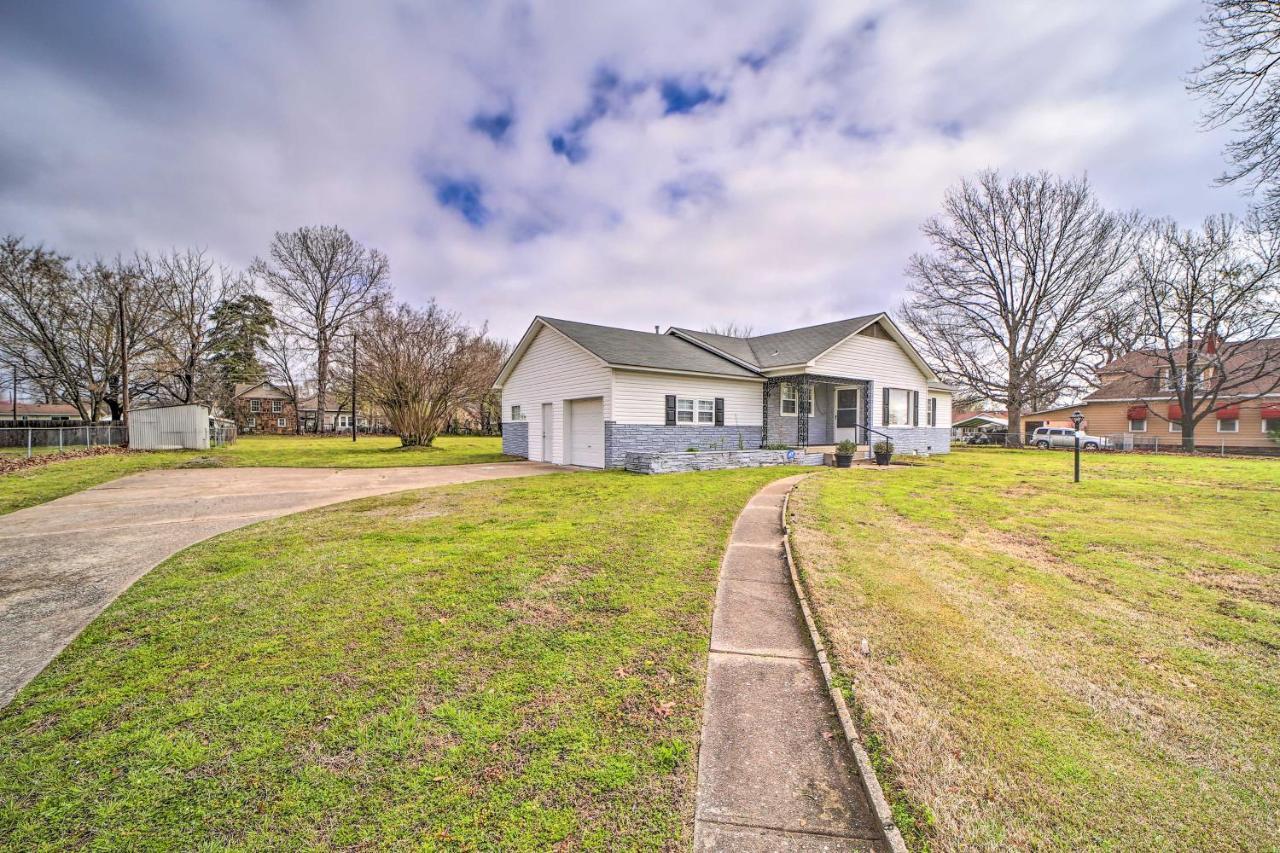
883	362
552	370
942	409
639	397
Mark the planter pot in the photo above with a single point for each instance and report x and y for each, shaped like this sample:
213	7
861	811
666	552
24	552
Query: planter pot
844	460
883	458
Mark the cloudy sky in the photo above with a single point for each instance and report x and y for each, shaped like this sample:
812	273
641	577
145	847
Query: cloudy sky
623	163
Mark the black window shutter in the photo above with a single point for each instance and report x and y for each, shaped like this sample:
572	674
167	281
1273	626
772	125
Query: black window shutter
719	411
671	410
915	408
884	408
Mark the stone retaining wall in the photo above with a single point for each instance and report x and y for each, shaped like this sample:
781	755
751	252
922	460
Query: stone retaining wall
621	440
716	460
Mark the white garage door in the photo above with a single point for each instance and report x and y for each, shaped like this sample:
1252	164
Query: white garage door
586	432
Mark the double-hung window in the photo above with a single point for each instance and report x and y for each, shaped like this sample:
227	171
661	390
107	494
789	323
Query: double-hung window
1137	424
900	407
1228	424
280	423
693	410
255	405
931	413
793	401
277	406
516	414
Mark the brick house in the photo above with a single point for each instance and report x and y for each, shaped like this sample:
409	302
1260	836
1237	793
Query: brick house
263	408
1136	403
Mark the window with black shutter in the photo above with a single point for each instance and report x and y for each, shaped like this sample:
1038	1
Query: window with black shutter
671	410
719	411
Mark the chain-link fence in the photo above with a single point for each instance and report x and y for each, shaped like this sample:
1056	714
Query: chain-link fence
34	440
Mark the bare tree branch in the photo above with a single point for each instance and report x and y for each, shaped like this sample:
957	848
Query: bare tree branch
1006	302
323	282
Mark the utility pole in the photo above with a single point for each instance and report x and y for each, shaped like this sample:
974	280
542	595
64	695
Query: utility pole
124	368
353	386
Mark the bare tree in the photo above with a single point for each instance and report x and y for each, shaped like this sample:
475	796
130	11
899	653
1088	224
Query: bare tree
732	329
1210	300
61	326
420	366
1004	303
1238	79
35	286
284	354
323	282
188	288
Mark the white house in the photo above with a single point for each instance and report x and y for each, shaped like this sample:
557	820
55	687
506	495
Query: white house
580	394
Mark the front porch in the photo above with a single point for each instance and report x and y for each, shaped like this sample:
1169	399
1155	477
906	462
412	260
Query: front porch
815	413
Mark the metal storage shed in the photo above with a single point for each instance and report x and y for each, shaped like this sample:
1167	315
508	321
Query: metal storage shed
182	427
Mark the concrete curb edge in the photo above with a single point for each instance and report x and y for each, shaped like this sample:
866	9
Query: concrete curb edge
866	772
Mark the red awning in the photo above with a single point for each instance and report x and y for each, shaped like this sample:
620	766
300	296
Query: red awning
1270	413
1138	413
1175	411
1228	413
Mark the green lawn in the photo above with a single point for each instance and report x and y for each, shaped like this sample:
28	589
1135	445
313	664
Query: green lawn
292	451
503	665
34	486
1059	666
38	485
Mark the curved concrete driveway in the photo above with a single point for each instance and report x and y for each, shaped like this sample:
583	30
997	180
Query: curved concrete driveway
62	562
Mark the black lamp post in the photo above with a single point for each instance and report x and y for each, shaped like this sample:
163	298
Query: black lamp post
1077	418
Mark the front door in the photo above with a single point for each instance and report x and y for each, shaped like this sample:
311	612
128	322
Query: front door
848	412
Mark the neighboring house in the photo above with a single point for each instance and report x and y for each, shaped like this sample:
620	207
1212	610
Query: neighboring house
337	415
38	412
262	407
1135	400
964	424
580	394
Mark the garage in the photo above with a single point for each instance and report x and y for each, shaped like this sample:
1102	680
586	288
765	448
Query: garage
586	432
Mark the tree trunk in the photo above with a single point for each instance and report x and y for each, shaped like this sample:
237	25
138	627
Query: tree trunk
1014	438
1188	431
322	383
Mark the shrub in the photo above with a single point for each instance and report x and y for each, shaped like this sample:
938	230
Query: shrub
846	448
883	446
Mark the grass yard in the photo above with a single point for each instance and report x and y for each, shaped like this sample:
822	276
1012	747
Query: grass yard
38	485
369	451
21	489
503	665
1059	666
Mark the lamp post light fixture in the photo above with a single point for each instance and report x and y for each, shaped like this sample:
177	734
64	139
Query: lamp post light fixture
1077	418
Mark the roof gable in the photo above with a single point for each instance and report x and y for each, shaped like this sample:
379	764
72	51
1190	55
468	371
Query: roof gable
627	348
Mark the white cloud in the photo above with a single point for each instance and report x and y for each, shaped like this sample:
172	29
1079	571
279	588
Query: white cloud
179	125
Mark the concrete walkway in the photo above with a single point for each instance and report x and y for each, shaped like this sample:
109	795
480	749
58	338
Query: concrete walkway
774	772
62	562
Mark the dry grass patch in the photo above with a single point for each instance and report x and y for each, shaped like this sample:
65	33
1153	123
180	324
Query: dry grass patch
1056	666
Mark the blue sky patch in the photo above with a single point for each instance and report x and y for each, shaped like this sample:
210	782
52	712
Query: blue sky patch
609	94
466	196
680	97
493	125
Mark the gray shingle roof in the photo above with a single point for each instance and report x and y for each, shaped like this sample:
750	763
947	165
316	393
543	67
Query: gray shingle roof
629	348
796	346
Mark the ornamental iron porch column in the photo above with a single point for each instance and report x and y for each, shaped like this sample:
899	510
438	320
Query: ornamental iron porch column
802	388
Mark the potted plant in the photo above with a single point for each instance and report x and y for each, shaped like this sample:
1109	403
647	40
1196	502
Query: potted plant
883	451
844	453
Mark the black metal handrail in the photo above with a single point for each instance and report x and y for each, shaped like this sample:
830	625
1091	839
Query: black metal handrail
867	429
